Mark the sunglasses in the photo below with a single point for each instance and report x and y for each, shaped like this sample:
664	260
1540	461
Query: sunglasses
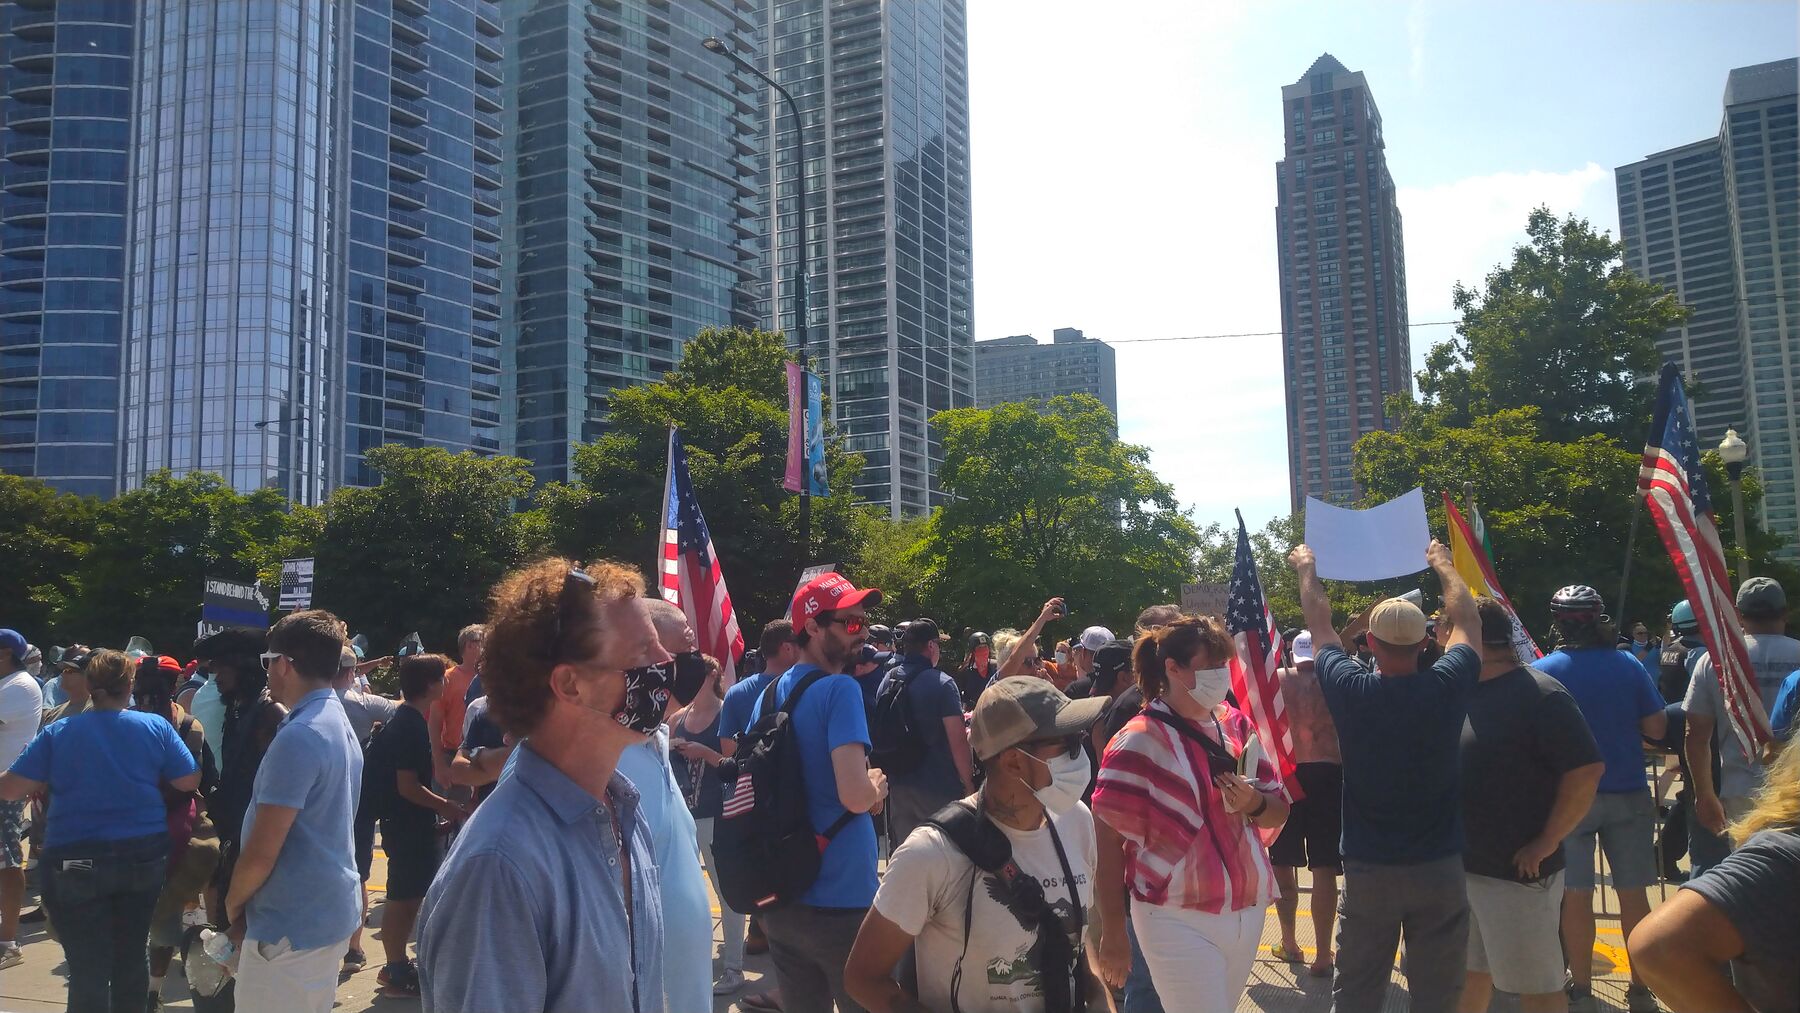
574	583
851	624
1070	746
268	658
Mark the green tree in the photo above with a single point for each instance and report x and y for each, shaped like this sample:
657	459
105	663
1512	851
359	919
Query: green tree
1565	326
728	396
890	560
421	550
153	549
43	535
1049	503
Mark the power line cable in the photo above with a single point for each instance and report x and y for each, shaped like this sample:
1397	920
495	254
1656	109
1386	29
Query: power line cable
1247	334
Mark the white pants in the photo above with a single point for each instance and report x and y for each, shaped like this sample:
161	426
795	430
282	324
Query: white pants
275	976
1203	959
731	924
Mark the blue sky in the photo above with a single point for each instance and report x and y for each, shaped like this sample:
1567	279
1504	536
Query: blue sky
1123	173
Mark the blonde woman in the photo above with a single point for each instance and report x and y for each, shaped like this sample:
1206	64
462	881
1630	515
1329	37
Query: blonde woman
1745	910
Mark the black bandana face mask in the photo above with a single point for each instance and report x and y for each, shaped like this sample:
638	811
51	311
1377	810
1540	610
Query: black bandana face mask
689	676
646	698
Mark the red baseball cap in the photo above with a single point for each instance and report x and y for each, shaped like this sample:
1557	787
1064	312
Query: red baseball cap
825	592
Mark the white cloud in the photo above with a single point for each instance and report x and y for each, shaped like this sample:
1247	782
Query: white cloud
1417	17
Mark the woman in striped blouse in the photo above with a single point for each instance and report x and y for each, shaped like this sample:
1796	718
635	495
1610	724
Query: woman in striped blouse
1183	802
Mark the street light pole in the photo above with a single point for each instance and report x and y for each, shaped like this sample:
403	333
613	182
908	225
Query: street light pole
1734	452
718	47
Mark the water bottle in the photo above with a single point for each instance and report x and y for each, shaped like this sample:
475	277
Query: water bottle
218	946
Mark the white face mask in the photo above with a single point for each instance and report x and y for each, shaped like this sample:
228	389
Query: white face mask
1210	686
1068	780
1062	657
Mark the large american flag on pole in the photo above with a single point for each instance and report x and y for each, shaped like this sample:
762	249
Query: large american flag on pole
690	568
1674	485
1256	671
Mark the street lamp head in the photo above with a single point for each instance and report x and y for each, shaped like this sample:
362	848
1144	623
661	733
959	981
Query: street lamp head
1732	449
714	44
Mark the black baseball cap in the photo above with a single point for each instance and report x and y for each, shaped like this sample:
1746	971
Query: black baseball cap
920	632
1112	659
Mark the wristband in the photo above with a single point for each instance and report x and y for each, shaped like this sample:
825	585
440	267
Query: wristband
1261	807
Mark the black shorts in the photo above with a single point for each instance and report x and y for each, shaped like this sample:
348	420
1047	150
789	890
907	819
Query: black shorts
412	858
1314	824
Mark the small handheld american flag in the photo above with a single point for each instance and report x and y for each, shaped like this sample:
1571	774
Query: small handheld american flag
1256	671
1674	485
691	577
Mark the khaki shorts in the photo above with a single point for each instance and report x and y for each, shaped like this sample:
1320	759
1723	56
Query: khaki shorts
1513	933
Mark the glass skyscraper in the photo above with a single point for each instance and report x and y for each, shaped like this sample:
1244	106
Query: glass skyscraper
1345	344
313	262
66	75
633	160
883	91
1718	222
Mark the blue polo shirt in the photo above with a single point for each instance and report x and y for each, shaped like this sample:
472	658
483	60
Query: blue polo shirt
528	912
1614	693
831	715
314	765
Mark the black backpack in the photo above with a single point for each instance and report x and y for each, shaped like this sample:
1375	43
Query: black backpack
895	744
768	852
990	852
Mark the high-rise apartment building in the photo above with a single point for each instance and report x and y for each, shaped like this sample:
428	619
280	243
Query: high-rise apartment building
1676	229
634	161
313	269
1742	281
254	239
65	88
1017	368
1343	278
883	93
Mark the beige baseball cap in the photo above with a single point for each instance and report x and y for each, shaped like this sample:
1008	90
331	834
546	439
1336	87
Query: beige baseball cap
1398	622
1021	709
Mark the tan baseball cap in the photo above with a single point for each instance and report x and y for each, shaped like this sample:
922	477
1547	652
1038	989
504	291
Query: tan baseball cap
1021	709
1398	622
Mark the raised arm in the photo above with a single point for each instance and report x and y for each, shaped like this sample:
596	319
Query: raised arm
1459	604
1314	606
1014	661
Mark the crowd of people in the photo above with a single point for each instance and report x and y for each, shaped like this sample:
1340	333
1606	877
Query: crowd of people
562	804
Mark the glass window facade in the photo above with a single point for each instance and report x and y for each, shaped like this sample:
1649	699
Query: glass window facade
633	162
883	93
65	78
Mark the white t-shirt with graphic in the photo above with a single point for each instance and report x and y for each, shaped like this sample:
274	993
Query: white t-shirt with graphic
926	890
21	708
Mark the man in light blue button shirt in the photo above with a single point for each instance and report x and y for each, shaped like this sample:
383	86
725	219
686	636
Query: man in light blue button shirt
550	901
293	901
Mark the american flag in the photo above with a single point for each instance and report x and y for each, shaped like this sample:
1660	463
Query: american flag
1256	671
690	568
1673	483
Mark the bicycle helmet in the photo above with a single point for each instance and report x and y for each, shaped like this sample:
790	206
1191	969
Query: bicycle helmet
1576	599
1681	617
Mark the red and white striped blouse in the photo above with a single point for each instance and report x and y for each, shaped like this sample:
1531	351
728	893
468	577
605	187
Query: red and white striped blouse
1182	848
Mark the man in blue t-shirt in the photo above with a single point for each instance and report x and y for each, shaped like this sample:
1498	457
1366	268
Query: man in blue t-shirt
1400	733
779	653
944	773
1622	707
809	941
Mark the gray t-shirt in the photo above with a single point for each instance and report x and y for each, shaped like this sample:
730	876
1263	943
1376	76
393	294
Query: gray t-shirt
1758	888
364	709
933	696
1772	657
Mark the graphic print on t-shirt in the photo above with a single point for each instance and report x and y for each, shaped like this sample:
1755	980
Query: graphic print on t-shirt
1022	969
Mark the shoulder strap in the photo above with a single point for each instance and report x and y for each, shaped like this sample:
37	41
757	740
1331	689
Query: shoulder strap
960	822
1188	731
793	698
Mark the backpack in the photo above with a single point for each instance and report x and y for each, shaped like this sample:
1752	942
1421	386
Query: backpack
895	744
768	852
989	851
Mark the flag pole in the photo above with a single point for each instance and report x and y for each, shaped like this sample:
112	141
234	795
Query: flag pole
1637	499
662	520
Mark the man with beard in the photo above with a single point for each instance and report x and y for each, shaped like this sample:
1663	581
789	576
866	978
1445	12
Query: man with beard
809	941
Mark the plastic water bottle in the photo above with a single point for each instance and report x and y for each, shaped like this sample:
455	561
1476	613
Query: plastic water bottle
218	946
